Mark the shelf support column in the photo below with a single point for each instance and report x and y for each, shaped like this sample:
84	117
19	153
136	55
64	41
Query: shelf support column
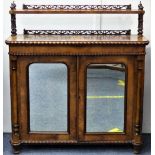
140	20
13	20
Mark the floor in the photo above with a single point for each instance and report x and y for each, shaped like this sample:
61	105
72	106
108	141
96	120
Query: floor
78	150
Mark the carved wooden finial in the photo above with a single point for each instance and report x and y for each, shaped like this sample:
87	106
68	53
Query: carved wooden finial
129	7
140	6
13	5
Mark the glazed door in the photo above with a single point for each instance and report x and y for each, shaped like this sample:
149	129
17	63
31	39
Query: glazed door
106	98
47	100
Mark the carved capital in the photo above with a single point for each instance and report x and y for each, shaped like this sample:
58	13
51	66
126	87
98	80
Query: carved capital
140	65
13	65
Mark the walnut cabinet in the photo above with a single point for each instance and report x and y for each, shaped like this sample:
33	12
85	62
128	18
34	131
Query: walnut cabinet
76	57
76	86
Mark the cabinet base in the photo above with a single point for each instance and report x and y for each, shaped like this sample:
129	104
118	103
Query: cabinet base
136	147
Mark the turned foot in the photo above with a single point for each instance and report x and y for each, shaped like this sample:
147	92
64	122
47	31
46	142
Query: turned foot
16	149
137	148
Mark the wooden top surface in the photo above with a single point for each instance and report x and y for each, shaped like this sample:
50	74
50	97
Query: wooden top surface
76	39
76	11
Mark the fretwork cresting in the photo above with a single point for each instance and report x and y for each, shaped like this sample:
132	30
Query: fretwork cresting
77	32
79	7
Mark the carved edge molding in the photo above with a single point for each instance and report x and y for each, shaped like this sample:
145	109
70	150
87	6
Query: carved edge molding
77	7
76	43
72	54
75	142
77	32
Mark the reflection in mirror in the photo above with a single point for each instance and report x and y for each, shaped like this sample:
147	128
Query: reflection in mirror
48	97
105	98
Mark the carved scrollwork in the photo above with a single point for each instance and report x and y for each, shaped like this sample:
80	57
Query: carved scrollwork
77	32
77	7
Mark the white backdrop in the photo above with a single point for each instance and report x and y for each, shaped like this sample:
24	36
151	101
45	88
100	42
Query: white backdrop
76	22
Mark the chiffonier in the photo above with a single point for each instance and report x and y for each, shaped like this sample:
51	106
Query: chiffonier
76	86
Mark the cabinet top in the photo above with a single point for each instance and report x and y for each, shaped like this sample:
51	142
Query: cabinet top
77	39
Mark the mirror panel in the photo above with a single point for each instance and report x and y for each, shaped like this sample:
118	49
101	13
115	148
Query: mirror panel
48	97
105	103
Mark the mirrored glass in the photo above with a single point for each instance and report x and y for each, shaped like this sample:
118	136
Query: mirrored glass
105	98
48	97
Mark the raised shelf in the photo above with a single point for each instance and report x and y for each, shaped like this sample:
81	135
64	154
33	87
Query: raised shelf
75	9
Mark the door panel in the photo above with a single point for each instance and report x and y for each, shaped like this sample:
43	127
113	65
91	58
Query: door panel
105	98
105	104
48	97
47	102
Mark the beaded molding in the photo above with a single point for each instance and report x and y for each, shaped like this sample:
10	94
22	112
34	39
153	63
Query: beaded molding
76	43
73	54
75	142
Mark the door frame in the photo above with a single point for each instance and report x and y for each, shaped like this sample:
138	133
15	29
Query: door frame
23	100
130	98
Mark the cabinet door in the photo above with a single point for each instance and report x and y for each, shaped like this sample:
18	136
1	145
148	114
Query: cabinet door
106	98
47	100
